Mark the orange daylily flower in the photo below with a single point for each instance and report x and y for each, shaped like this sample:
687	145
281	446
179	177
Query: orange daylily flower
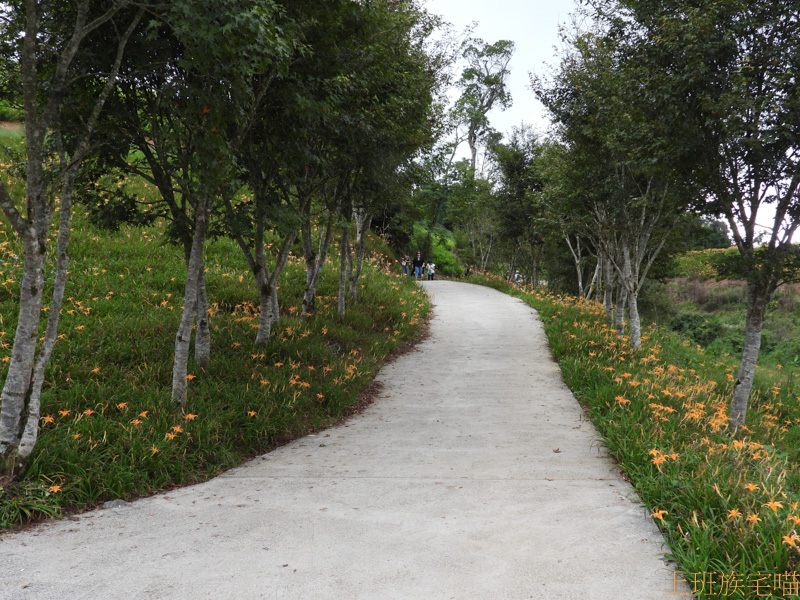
659	514
774	505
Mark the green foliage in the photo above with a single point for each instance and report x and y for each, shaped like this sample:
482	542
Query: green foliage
108	428
701	263
10	113
700	328
439	245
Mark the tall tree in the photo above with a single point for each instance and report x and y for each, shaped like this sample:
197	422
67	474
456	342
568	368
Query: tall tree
519	202
612	130
49	46
729	70
483	86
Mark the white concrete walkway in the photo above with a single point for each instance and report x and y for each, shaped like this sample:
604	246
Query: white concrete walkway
474	476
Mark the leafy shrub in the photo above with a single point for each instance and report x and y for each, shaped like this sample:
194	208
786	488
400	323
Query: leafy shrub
10	113
701	329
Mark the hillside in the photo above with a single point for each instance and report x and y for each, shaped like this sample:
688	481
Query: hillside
710	309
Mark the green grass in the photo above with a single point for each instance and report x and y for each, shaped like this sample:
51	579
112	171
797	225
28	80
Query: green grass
108	429
730	505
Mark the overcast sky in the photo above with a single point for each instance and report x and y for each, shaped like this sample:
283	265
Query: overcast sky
533	26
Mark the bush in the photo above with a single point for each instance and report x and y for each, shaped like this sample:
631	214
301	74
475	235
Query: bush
700	328
10	113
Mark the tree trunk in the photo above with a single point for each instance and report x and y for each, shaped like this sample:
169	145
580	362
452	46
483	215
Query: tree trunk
635	324
363	221
202	337
31	430
595	282
267	283
190	303
608	288
757	301
619	318
577	259
344	248
630	291
17	388
315	261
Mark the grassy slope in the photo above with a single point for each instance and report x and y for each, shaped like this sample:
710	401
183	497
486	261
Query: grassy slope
725	505
108	429
710	310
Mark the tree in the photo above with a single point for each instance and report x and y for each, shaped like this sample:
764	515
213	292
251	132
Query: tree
191	96
483	85
49	48
519	202
614	134
729	70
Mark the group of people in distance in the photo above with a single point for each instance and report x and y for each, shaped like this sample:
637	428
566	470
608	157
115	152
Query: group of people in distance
418	267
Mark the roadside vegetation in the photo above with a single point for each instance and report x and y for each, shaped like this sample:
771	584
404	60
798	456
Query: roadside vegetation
727	505
108	429
709	308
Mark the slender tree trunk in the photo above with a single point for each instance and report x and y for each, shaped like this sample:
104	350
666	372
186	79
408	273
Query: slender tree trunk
31	430
577	259
344	248
190	303
17	388
619	320
267	283
595	282
608	288
315	261
630	284
633	316
363	221
202	337
757	301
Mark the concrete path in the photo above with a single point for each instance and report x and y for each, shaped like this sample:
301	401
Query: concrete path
474	476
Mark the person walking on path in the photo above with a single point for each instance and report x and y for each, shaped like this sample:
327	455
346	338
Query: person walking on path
430	268
404	262
418	263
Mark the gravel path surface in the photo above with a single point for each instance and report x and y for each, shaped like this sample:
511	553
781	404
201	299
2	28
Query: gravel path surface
474	475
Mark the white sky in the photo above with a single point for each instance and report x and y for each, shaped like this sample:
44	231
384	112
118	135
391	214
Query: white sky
533	26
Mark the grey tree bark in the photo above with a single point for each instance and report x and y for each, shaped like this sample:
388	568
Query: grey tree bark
19	415
344	252
202	336
315	260
363	220
190	303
